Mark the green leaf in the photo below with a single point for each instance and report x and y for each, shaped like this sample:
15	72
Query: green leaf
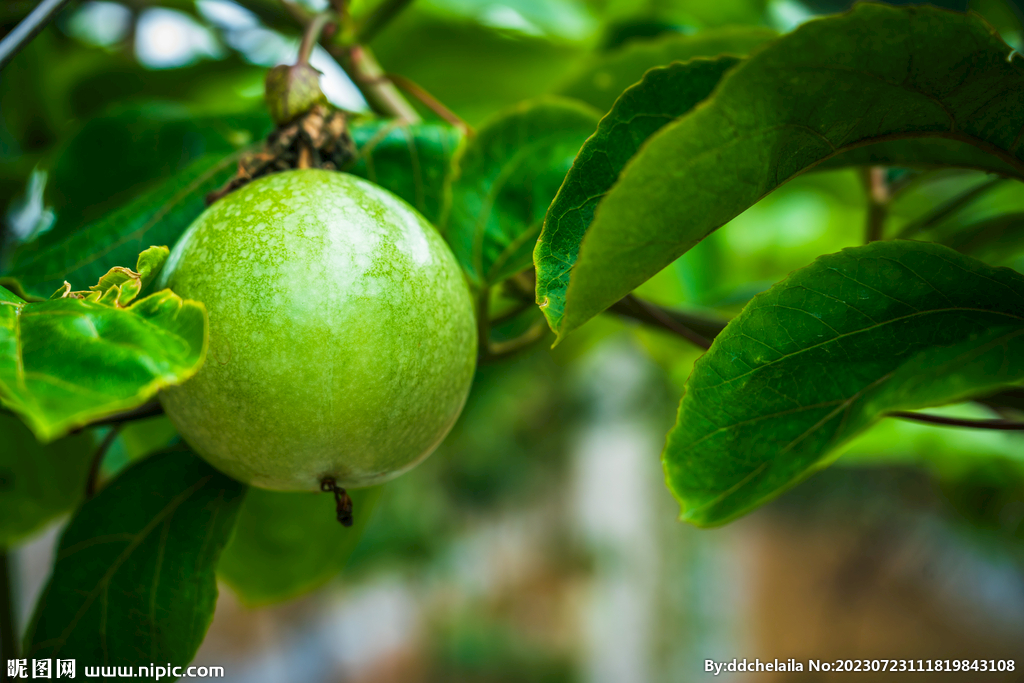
68	361
604	77
38	483
505	179
663	95
155	217
828	351
134	581
121	285
287	544
111	158
412	161
874	74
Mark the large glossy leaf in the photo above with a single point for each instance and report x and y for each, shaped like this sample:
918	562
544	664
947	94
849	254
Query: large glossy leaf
111	157
828	351
286	544
38	483
68	361
411	161
603	78
664	94
875	74
505	179
134	581
158	216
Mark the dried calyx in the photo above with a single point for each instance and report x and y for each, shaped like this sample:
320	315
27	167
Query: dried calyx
317	139
309	133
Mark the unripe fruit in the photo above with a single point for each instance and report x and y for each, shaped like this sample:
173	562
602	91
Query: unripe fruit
342	334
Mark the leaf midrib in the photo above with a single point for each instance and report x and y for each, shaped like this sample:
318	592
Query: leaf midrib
934	311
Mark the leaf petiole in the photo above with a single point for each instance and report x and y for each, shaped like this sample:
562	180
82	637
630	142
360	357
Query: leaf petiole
942	421
92	482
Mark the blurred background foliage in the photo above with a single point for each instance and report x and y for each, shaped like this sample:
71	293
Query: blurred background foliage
539	543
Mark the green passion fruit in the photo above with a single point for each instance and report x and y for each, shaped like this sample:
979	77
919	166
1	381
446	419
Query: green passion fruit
342	335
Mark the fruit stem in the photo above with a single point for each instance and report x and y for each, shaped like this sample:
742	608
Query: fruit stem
342	500
92	481
8	639
311	35
361	66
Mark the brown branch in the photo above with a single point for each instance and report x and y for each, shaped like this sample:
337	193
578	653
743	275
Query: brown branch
696	329
431	102
380	93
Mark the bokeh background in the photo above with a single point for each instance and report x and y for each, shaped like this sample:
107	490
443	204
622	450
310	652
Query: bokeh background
540	543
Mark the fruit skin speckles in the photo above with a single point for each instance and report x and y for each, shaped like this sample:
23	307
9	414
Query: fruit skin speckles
342	333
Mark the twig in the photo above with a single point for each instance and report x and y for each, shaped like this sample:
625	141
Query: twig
640	310
696	329
658	316
380	17
1003	425
29	28
431	102
97	460
878	203
380	93
8	638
